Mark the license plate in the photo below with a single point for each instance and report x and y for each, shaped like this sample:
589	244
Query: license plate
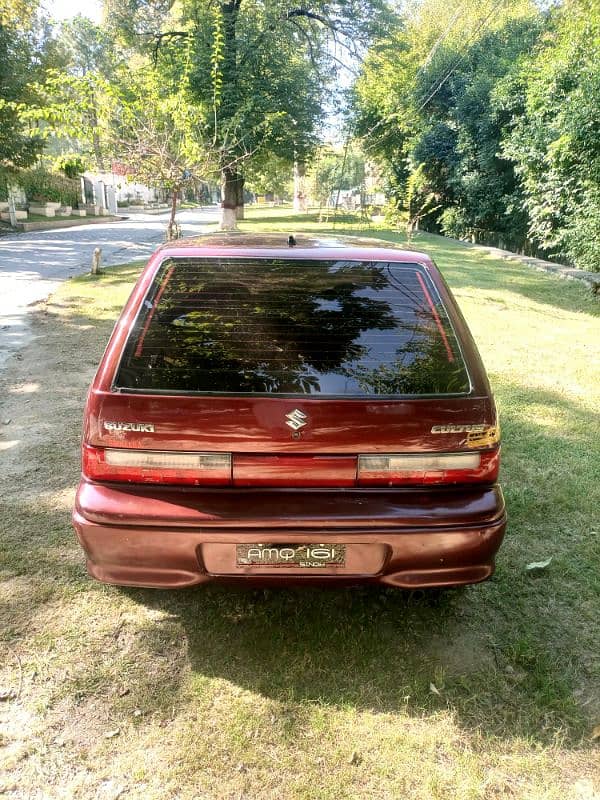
313	556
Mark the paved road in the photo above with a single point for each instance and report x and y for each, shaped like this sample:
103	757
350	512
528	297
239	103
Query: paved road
33	264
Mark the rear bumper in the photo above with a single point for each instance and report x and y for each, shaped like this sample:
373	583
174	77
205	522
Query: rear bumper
138	536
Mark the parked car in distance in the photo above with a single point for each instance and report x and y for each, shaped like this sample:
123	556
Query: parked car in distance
311	411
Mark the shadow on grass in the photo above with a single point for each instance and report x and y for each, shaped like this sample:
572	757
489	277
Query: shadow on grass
507	656
297	221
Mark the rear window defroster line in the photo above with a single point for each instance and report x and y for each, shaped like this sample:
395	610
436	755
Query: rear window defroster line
438	321
140	345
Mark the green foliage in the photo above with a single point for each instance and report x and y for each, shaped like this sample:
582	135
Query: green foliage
71	165
88	47
334	170
554	140
21	62
499	110
582	235
41	185
252	82
420	200
217	50
132	112
77	97
234	83
454	222
7	179
76	111
437	115
260	74
28	49
154	129
270	175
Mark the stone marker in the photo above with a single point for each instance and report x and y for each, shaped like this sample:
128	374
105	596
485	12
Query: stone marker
96	260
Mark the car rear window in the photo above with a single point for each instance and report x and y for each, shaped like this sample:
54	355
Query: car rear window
285	326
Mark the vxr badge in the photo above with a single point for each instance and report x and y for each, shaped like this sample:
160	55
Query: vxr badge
296	419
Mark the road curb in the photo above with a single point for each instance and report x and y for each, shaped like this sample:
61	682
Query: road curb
51	225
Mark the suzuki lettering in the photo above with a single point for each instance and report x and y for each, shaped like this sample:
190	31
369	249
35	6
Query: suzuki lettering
141	427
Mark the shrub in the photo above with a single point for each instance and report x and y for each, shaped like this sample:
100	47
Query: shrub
40	185
582	237
44	186
453	223
393	213
72	167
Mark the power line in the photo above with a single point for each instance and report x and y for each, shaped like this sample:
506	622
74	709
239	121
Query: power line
389	117
481	25
441	38
427	60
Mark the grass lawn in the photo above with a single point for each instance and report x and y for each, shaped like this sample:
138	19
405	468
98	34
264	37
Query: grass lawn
488	692
57	218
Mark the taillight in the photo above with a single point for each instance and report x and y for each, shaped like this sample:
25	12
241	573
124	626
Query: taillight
397	469
156	466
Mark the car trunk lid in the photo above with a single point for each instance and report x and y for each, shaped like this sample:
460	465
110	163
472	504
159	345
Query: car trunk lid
293	368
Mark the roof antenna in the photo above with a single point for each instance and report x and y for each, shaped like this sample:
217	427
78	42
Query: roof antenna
291	240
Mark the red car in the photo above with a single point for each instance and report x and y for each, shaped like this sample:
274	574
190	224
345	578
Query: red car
303	410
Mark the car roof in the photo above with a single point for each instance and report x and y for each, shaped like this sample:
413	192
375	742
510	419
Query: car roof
233	243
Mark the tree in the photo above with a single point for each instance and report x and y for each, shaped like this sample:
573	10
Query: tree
27	50
257	71
91	56
136	119
334	170
270	175
461	147
423	108
553	134
158	135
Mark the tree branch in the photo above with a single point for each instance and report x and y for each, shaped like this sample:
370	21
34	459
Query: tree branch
332	24
158	39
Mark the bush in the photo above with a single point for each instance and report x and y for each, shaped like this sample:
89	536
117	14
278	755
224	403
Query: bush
7	178
40	185
393	214
72	167
49	187
582	237
453	223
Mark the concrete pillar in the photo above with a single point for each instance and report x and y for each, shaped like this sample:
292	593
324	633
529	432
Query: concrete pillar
99	198
11	208
111	197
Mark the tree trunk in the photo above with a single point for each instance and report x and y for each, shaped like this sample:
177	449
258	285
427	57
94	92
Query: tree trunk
229	194
173	229
96	146
300	202
232	205
172	232
228	108
239	209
